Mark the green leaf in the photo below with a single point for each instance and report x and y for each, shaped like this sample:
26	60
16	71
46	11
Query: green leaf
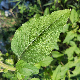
65	1
73	47
65	68
37	65
74	16
13	78
56	54
78	11
19	75
35	79
65	29
39	2
26	69
8	75
56	73
72	43
76	71
70	52
26	78
36	15
77	68
46	12
78	37
70	36
77	50
35	39
47	4
46	61
56	46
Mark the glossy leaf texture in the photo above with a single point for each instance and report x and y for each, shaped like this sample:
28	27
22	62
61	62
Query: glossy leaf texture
35	39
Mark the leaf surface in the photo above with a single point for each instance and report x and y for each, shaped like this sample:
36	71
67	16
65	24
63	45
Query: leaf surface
46	61
56	54
70	52
56	73
26	69
19	75
74	16
35	39
46	12
70	36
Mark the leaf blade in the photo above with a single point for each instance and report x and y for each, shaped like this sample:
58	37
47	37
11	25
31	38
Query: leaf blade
34	40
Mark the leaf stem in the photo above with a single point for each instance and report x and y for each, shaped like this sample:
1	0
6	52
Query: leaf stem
7	66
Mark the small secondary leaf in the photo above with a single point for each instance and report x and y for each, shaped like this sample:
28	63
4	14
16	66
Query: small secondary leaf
70	52
70	36
55	75
78	37
65	68
56	54
76	71
77	67
46	12
26	69
65	28
36	15
72	43
37	65
77	50
19	75
46	61
74	16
